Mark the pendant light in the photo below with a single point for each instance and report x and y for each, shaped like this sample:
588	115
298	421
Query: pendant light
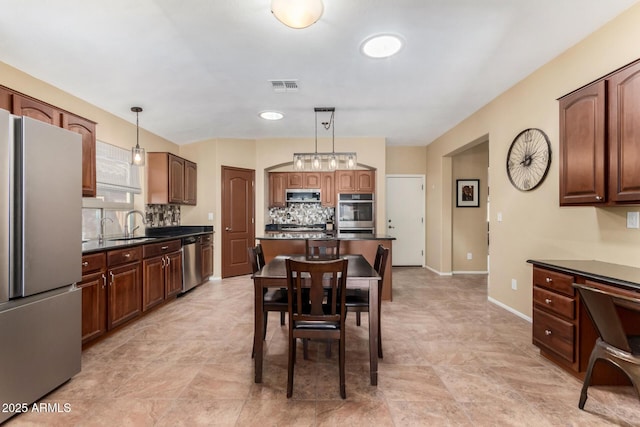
137	153
329	161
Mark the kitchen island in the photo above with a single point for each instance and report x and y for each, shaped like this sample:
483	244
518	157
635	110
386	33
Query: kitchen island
274	244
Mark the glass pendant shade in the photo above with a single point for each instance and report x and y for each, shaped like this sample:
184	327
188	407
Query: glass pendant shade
333	162
298	162
351	161
137	156
316	163
297	13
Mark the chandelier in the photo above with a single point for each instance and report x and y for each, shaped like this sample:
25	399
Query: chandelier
325	161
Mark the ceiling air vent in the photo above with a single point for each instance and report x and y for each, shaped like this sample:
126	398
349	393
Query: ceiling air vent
284	85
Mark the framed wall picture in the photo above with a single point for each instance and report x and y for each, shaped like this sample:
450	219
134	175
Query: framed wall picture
467	193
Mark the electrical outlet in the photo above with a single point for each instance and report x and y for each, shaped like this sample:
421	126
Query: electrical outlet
469	255
210	216
633	219
499	216
514	284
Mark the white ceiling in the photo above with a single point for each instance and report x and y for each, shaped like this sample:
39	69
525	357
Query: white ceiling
201	68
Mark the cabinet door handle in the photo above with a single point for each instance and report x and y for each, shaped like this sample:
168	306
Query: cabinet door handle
168	261
547	332
547	300
598	198
548	280
85	263
104	281
163	262
113	278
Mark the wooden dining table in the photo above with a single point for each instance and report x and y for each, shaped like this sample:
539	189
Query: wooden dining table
360	275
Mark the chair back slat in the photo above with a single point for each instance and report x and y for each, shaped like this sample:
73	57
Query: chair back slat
601	307
322	249
307	282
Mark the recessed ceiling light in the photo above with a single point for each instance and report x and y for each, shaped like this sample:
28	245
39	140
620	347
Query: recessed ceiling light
382	45
271	115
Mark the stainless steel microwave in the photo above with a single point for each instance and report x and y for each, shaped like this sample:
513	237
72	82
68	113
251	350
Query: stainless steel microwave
299	195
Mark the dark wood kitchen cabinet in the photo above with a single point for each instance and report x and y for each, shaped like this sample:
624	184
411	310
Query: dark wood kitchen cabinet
599	149
171	179
94	296
206	243
161	272
355	181
23	105
124	277
87	129
277	189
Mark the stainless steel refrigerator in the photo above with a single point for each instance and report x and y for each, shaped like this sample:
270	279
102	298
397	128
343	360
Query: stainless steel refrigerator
40	259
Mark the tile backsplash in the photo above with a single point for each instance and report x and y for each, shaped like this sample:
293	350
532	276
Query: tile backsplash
301	213
162	215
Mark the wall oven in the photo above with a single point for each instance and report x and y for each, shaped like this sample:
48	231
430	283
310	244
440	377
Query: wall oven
356	213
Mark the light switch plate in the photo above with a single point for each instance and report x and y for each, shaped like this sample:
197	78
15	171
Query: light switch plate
633	219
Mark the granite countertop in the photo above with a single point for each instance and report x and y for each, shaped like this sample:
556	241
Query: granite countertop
152	235
302	236
624	276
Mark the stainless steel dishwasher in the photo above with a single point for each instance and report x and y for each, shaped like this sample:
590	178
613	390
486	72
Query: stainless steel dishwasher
191	262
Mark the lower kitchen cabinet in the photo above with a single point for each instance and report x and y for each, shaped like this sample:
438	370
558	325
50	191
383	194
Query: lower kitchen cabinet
94	296
124	285
162	272
207	256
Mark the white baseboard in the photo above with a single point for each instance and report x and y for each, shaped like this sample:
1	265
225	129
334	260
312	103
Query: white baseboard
510	309
438	272
470	272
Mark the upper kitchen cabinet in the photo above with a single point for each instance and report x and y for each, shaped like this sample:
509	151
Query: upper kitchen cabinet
277	189
327	189
303	180
171	179
624	135
87	129
599	148
355	181
582	146
23	105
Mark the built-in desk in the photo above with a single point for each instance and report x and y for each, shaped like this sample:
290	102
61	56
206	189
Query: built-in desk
562	328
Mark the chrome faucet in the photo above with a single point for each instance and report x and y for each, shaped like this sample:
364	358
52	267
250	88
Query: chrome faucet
126	220
101	235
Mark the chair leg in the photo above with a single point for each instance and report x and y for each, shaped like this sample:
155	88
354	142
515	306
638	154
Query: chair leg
358	321
379	339
291	361
343	391
266	318
253	348
281	318
305	348
328	351
595	354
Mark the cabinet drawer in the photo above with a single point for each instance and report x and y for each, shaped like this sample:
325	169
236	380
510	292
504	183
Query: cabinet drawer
553	301
123	256
155	249
553	334
558	282
207	239
93	262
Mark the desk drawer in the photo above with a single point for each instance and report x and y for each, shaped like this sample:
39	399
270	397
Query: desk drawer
555	302
558	282
554	334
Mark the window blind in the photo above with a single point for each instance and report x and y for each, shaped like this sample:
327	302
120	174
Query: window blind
114	170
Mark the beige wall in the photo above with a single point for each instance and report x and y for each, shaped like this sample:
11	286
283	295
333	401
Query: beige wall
469	225
406	160
534	226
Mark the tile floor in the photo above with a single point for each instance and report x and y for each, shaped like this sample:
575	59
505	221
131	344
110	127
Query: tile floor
450	359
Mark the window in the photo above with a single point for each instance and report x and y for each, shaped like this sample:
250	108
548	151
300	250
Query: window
117	182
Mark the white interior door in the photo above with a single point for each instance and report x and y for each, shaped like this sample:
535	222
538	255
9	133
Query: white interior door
405	218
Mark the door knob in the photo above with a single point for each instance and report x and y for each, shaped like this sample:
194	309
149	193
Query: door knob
227	229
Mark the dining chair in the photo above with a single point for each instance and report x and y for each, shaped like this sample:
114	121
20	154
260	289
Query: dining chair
613	344
357	300
272	299
310	315
322	249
